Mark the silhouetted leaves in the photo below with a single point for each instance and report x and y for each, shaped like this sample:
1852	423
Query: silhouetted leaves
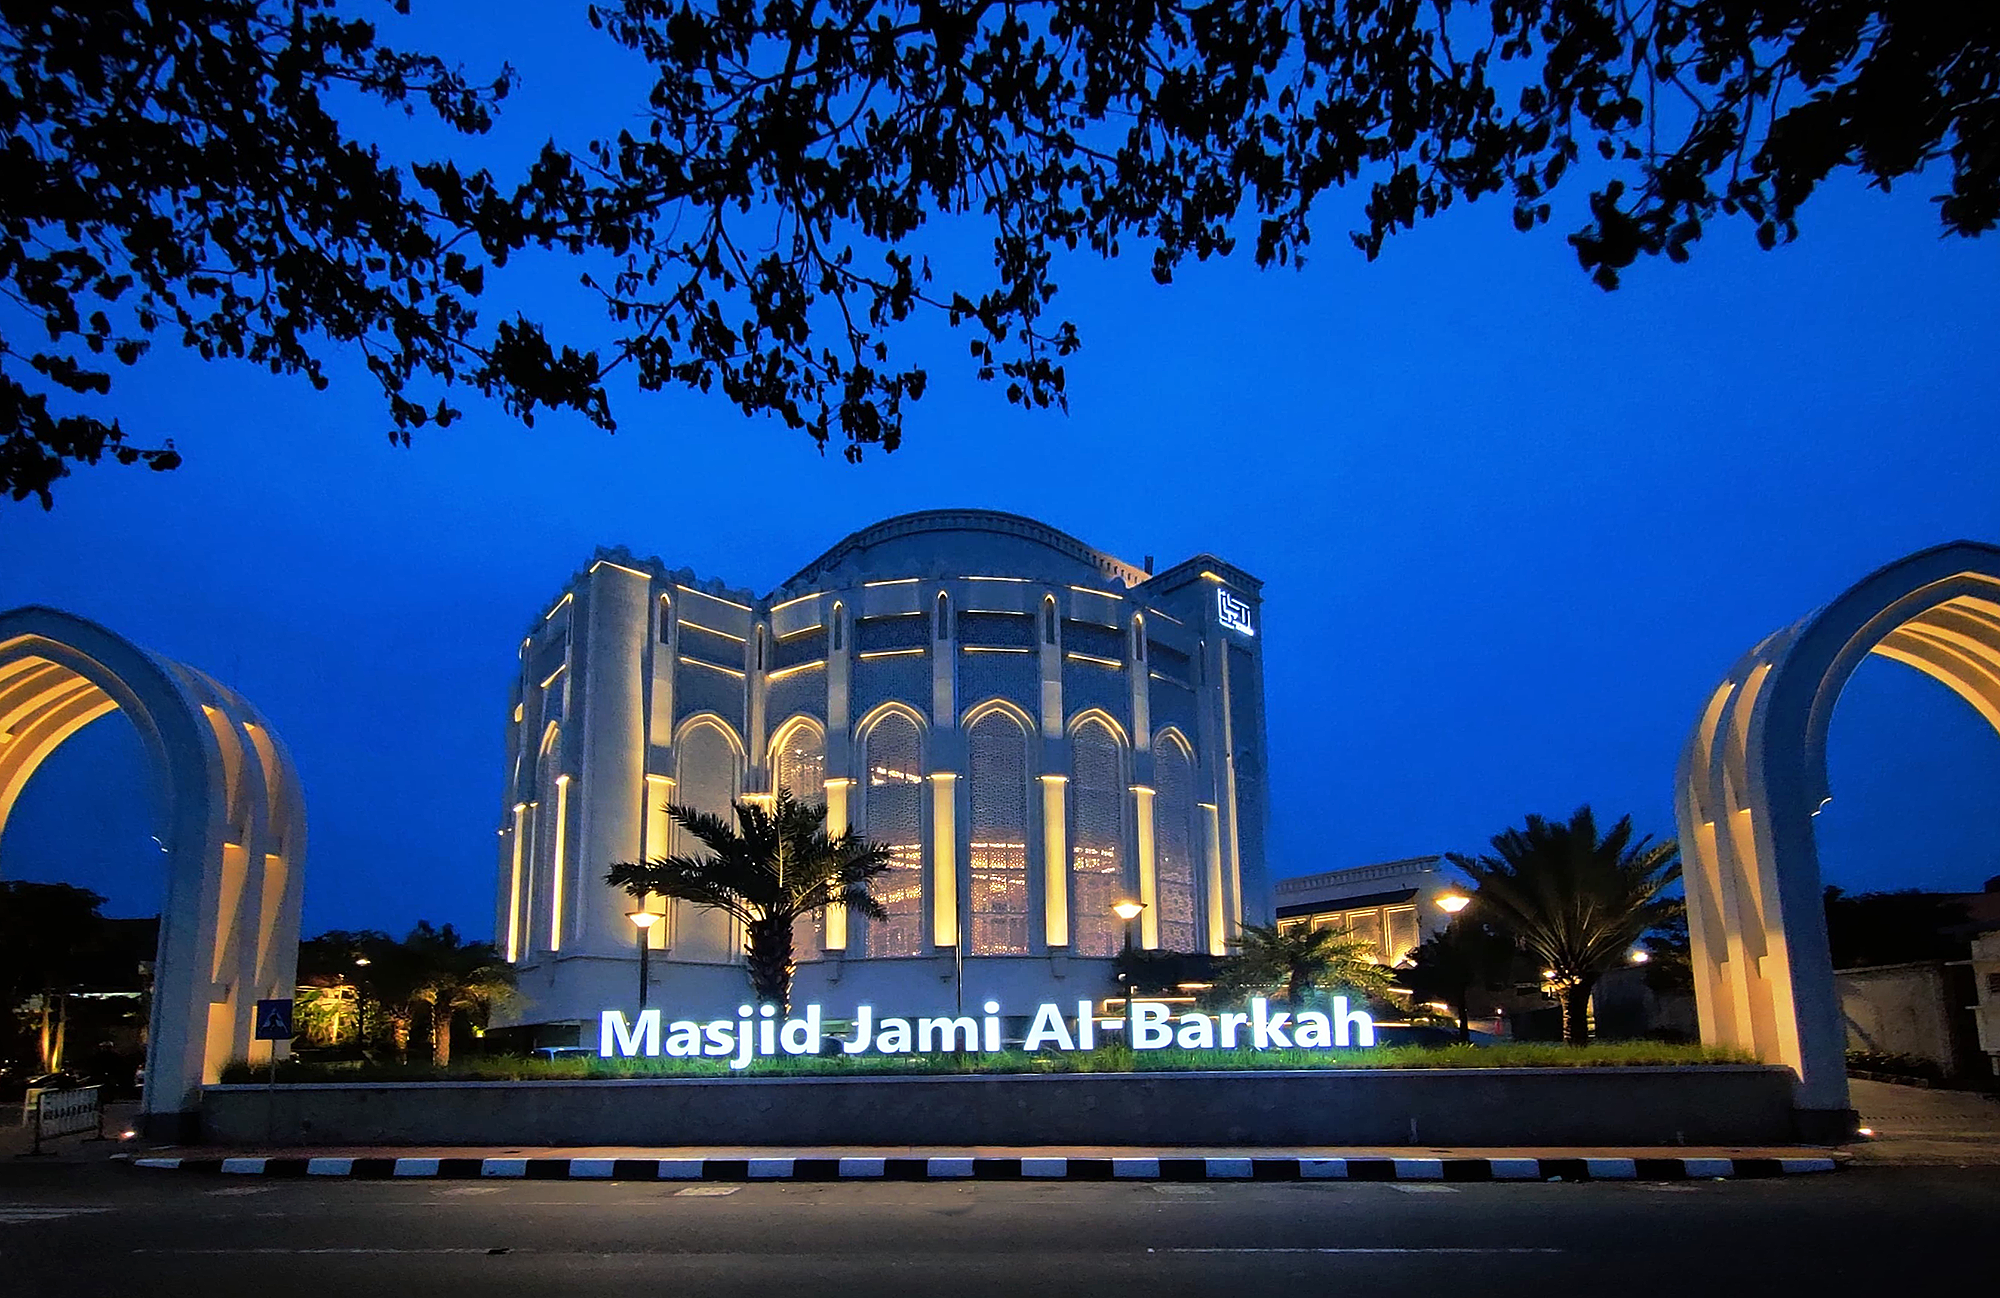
170	165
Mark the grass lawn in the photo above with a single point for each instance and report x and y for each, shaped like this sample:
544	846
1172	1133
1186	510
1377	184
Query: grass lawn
1105	1059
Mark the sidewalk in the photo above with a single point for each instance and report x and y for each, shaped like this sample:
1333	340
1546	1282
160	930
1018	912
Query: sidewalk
1916	1127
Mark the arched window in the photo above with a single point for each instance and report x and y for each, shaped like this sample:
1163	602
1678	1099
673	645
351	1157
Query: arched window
1174	871
1097	837
839	640
997	753
798	766
708	778
943	617
1048	619
895	819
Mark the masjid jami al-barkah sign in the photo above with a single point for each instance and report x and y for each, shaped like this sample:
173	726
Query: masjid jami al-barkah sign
1035	729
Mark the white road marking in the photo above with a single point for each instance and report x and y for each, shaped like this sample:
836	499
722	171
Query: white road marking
1424	1189
1369	1251
706	1191
458	1190
242	1189
21	1214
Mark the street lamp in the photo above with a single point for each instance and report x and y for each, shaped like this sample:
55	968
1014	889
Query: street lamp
643	920
1453	902
361	1006
1128	910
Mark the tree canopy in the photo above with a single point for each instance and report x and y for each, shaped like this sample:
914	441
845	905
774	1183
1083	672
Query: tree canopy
172	165
1575	900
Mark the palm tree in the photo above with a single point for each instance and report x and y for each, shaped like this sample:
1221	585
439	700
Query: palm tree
1466	954
1575	901
779	867
453	976
1294	961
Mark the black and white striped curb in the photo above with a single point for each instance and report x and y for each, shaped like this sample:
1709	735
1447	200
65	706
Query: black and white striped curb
1006	1169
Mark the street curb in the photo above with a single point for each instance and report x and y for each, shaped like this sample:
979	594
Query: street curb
828	1168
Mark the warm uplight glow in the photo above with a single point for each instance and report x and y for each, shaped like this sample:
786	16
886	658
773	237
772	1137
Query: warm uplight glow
1640	957
644	918
1453	902
1127	909
363	961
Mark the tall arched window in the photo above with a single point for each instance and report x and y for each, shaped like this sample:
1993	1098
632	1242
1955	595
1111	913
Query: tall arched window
1097	837
895	819
1173	843
997	753
707	778
798	766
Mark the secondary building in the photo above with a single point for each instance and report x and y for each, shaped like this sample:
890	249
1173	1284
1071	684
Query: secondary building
1035	729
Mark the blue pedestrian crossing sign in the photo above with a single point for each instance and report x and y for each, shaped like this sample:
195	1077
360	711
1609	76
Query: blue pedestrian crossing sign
274	1021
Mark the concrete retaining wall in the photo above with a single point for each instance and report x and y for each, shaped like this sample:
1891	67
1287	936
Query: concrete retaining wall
1485	1106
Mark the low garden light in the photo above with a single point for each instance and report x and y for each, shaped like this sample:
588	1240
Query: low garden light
1639	955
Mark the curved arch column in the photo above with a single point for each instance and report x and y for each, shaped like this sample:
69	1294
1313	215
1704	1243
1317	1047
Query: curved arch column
233	832
1752	777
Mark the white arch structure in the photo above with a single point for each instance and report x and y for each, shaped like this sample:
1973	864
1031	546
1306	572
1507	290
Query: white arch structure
234	834
1753	776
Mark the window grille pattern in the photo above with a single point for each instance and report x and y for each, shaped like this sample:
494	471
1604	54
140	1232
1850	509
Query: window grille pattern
998	757
800	647
904	679
895	820
711	647
800	692
799	767
1097	840
1016	677
1097	641
702	689
1088	685
707	779
903	631
1174	870
997	630
1169	661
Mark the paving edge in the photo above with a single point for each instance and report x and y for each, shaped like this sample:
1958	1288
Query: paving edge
1003	1169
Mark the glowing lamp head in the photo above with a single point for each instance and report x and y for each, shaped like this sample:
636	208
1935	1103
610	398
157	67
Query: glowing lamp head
1453	902
362	962
644	918
1639	956
1127	909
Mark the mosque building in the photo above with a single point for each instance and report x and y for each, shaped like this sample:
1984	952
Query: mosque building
1034	729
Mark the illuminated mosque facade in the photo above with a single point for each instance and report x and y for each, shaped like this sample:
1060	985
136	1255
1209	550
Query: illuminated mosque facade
1034	729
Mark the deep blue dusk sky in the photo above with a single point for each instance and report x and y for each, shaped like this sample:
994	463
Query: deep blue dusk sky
1513	529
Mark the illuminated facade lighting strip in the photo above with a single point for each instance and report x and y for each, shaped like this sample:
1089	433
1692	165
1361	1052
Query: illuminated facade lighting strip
1092	658
873	654
692	590
514	889
726	635
726	671
794	669
556	877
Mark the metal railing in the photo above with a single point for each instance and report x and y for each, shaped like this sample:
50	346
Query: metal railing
52	1114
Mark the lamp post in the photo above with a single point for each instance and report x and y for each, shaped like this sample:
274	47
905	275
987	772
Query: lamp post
643	921
361	1005
1128	910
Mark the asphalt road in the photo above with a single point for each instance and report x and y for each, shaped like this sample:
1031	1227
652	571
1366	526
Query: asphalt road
80	1231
